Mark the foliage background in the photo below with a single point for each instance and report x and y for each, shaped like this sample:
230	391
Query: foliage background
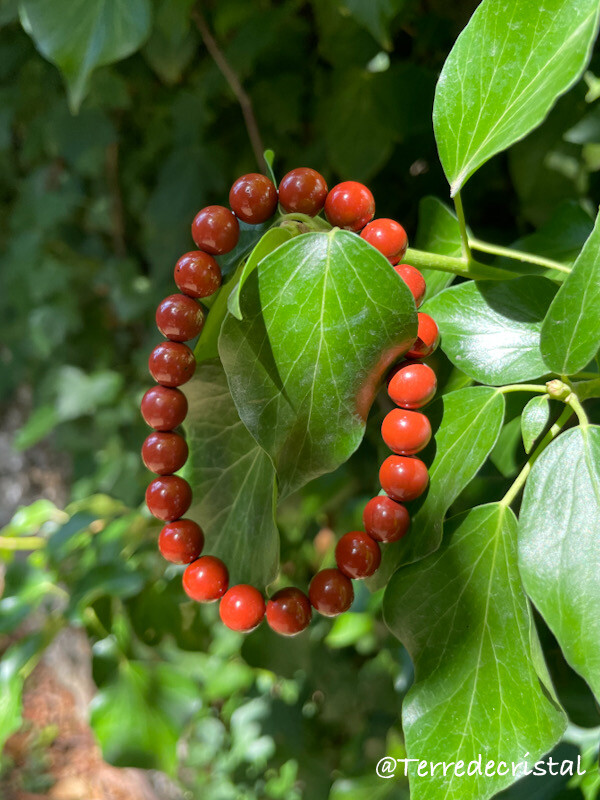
95	209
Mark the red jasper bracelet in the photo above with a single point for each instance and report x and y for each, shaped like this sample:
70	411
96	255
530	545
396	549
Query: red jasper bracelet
253	198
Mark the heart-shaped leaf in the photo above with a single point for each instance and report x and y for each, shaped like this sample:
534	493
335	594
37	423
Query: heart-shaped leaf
559	545
80	35
571	331
233	481
479	675
491	331
503	75
534	419
466	425
324	317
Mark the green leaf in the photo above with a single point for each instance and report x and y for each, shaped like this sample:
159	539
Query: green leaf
571	333
492	331
466	425
324	317
269	242
375	16
559	547
11	696
535	418
233	481
438	232
504	73
479	678
80	35
172	44
507	453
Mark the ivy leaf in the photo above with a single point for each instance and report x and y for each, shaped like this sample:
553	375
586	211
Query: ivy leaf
438	232
324	317
172	44
233	481
466	424
489	97
559	547
80	35
492	331
479	676
571	333
535	417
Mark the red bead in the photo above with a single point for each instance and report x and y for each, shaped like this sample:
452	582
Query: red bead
357	555
253	198
169	497
197	274
331	592
181	542
387	236
414	280
428	337
163	408
171	363
242	608
303	191
164	452
206	579
403	478
179	318
412	386
406	432
350	205
215	230
385	520
289	611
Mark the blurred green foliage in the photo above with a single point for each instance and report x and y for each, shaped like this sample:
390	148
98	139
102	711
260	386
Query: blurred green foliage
95	209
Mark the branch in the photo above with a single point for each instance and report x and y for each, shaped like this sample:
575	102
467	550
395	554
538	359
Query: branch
236	87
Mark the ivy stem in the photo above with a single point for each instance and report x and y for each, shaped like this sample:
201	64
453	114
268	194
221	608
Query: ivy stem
575	403
519	481
421	259
517	255
524	387
22	543
460	213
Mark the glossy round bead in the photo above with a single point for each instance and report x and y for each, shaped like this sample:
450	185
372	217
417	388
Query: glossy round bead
164	452
406	432
412	386
350	205
253	198
206	579
302	191
171	363
385	520
215	230
357	555
242	608
289	611
181	542
197	274
387	236
403	478
169	497
428	338
414	280
331	592
163	408
179	318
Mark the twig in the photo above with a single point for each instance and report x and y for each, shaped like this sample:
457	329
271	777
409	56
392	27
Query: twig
236	87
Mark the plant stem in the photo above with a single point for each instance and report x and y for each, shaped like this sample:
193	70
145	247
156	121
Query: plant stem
524	387
22	543
519	481
460	213
421	259
575	403
517	255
